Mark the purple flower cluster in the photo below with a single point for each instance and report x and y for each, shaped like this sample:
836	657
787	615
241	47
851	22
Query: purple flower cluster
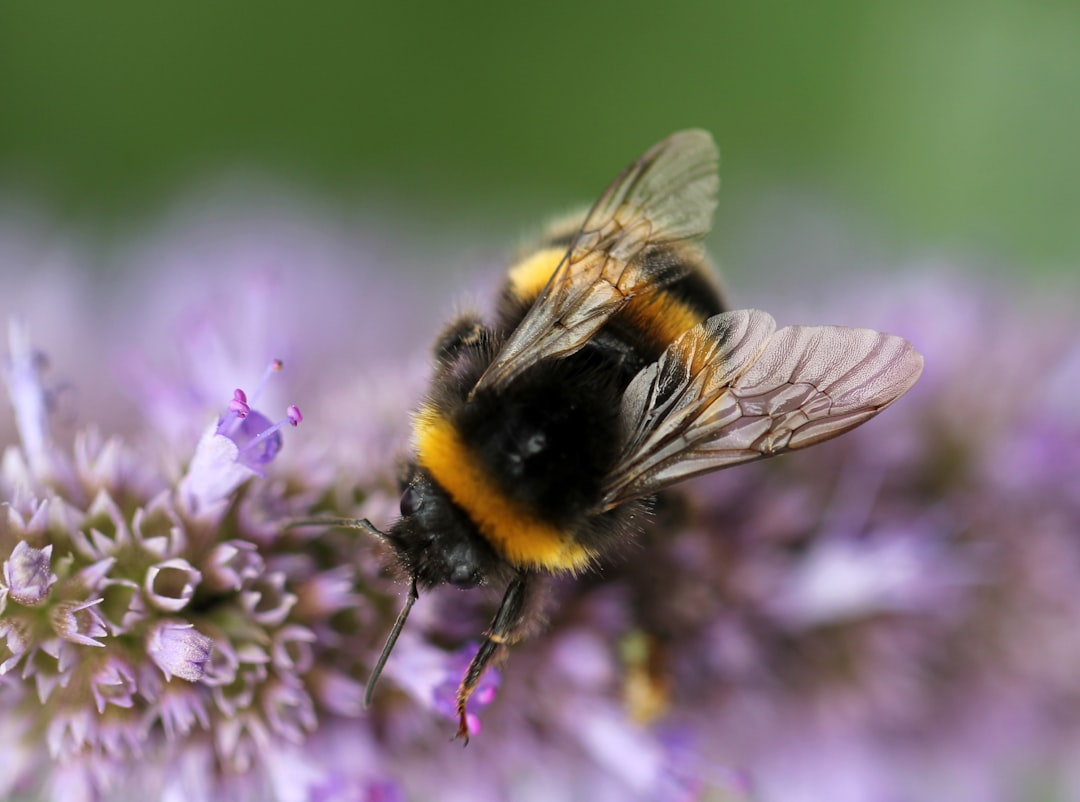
892	615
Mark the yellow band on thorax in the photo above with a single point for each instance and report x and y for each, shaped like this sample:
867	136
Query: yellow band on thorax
518	535
529	276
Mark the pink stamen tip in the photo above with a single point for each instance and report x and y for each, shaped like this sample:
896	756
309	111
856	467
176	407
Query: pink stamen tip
239	404
277	365
293	413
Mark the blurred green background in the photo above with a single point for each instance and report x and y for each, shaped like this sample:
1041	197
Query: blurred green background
935	125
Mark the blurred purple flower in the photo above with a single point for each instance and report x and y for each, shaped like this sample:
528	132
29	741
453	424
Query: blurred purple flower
27	578
444	694
78	622
891	616
179	650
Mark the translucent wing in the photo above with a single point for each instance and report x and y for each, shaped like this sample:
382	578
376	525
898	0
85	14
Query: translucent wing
732	390
667	196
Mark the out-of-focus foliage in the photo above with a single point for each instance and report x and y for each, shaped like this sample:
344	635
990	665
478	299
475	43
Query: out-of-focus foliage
940	123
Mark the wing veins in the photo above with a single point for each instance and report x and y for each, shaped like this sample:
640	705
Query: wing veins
666	196
802	386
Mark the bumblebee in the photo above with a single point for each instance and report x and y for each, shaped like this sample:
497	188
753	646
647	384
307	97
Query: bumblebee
609	371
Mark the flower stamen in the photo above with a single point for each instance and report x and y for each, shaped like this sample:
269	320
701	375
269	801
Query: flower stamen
239	446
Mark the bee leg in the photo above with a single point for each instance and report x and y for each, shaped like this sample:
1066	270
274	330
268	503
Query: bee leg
465	332
505	629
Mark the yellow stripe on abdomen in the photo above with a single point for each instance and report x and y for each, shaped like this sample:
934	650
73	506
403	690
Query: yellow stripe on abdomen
523	539
660	317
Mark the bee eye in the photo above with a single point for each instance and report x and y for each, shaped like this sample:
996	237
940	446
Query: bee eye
411	501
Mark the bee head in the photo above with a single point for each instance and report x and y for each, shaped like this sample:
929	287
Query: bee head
436	544
434	540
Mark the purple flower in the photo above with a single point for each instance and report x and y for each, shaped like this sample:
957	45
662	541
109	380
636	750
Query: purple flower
106	548
179	650
232	564
170	584
238	447
444	694
114	683
78	622
890	616
27	578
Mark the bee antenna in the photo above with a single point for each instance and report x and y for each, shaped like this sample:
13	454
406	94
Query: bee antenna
369	691
345	523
